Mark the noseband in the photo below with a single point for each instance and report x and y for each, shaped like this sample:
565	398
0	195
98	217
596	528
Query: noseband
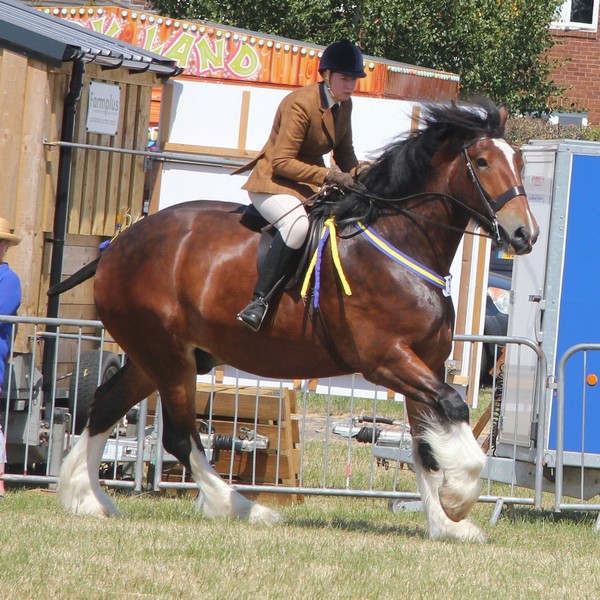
491	205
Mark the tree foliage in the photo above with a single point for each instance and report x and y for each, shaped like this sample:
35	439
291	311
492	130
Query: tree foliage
520	130
498	47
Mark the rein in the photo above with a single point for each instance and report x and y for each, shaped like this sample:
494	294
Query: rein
392	202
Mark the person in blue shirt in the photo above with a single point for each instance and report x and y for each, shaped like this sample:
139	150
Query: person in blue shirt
10	300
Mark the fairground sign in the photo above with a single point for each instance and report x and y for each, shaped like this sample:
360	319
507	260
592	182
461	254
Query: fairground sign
212	51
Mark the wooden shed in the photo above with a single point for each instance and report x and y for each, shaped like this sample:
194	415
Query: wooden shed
75	110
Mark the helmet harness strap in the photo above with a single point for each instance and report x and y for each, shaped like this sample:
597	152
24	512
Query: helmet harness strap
327	80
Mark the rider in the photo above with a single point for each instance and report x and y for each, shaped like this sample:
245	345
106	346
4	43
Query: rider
290	167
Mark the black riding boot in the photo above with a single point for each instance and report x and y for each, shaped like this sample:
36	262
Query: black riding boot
270	275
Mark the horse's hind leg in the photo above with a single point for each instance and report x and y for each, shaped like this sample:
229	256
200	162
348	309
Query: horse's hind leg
181	438
79	487
217	499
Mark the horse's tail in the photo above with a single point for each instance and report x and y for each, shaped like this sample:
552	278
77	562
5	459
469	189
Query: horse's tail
85	273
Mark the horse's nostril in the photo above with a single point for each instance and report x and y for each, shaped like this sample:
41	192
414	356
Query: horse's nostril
522	240
522	234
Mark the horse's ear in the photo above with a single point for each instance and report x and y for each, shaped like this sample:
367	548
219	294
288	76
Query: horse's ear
503	112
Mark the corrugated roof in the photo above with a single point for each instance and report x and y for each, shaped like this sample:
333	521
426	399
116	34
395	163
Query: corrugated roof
55	41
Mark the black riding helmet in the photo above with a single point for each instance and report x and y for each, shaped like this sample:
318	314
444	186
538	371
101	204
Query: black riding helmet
343	57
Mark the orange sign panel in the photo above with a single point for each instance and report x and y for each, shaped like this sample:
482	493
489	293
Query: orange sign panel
213	51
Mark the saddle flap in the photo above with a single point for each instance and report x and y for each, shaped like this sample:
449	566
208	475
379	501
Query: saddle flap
252	219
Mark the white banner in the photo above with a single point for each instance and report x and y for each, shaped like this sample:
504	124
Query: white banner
103	108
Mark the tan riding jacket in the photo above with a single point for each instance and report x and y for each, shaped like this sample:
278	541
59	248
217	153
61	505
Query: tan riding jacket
291	162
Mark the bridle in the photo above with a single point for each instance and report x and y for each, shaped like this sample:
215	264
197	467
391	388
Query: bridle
491	205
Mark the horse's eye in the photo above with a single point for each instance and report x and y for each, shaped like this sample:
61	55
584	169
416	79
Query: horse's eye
481	162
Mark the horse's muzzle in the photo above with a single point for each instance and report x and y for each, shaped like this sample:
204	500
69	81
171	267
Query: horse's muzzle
521	241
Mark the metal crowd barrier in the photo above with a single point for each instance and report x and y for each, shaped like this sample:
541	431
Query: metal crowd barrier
36	411
289	451
517	463
585	464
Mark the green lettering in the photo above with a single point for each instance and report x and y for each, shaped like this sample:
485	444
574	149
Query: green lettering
181	48
210	60
245	61
113	30
150	34
97	24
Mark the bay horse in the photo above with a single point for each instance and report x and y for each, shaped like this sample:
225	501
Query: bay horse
169	287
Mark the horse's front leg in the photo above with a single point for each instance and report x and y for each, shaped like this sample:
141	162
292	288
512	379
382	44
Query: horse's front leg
448	460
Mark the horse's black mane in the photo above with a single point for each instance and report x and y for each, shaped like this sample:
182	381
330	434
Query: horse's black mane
403	166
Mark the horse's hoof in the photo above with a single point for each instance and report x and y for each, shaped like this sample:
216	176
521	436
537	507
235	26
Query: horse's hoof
457	506
79	497
264	515
238	507
463	531
91	507
467	531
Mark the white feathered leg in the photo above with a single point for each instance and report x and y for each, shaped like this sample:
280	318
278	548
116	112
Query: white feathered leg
79	489
219	500
454	488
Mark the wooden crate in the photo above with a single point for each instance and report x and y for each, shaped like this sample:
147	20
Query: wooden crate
268	412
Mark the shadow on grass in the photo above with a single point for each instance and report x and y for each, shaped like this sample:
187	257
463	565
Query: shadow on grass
357	526
533	516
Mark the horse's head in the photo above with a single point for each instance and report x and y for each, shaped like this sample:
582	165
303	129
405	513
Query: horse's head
494	169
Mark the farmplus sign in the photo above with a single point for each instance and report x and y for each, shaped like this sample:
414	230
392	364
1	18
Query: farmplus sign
103	108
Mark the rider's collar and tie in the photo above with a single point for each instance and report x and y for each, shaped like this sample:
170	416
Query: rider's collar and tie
332	103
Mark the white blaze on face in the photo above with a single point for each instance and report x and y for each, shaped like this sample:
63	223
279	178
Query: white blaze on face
508	151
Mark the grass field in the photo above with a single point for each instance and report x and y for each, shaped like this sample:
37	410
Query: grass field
327	548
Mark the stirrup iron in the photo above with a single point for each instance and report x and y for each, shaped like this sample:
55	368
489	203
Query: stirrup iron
254	314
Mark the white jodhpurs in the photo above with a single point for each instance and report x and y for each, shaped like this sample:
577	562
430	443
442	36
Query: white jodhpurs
286	213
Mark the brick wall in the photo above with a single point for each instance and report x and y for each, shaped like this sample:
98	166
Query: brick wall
579	53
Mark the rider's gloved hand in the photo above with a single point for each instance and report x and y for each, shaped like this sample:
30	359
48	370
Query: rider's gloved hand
361	167
337	177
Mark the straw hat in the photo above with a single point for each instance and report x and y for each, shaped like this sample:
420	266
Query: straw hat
5	233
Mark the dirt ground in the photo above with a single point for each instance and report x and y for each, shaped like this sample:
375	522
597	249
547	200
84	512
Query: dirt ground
314	428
